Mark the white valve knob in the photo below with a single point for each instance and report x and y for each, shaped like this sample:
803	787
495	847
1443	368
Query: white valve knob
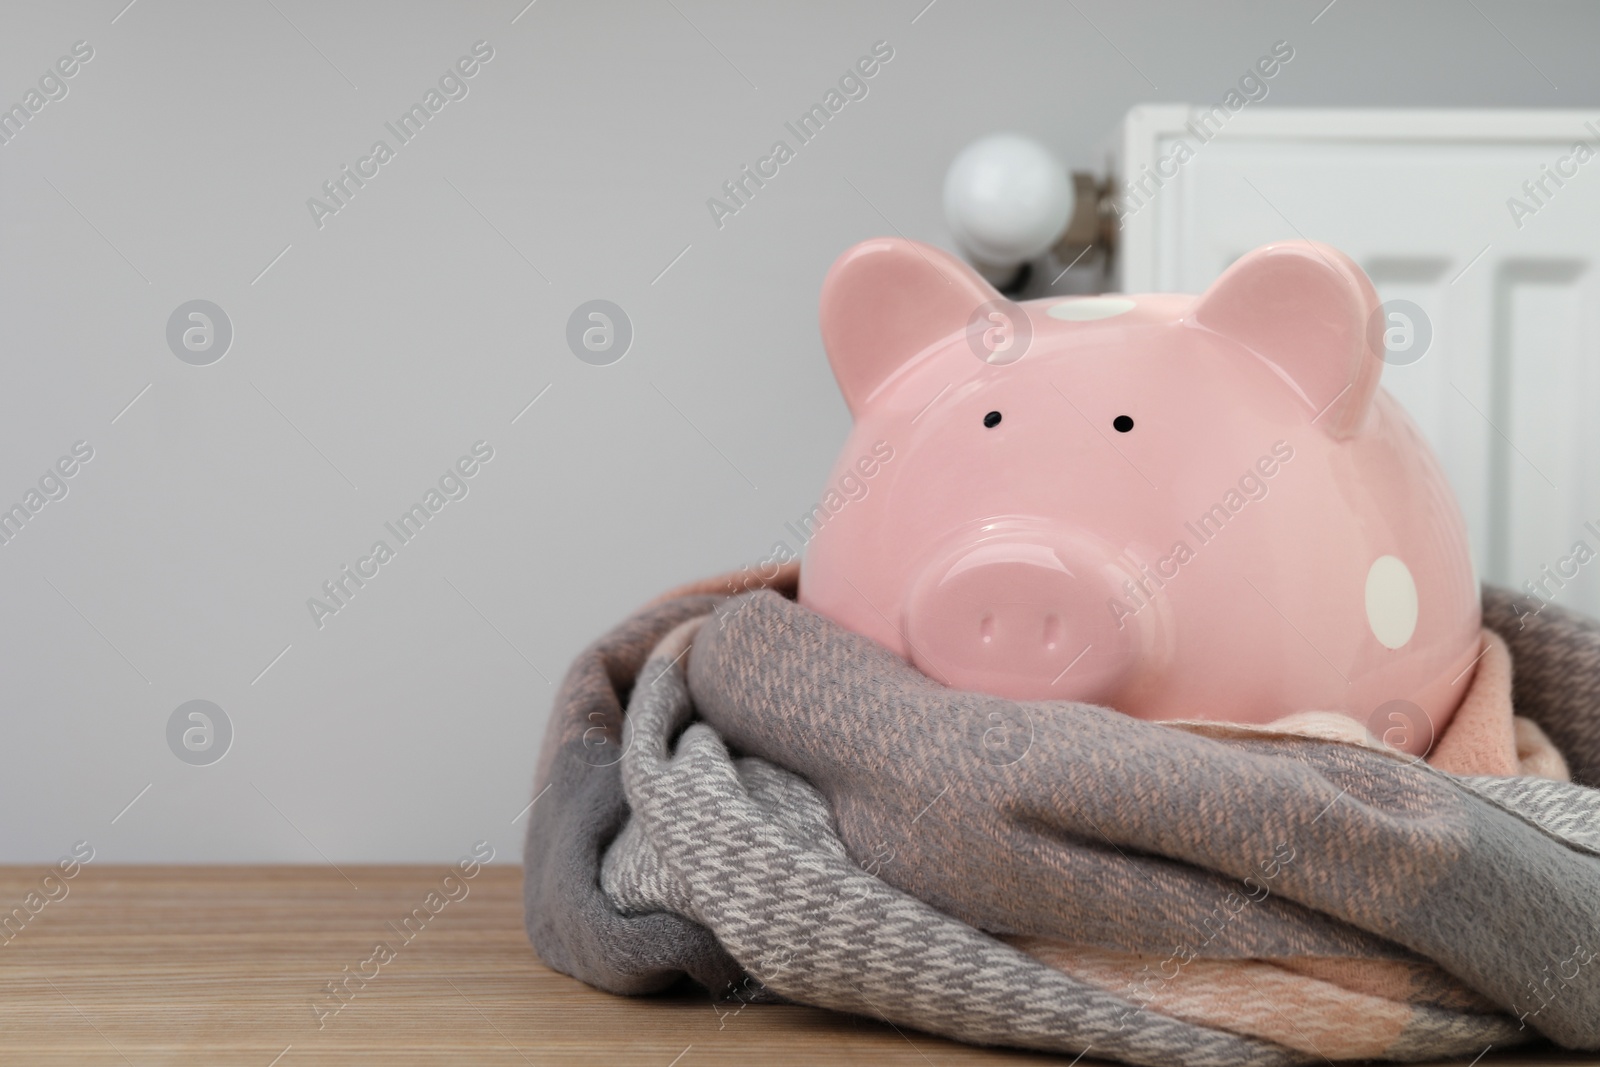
1006	199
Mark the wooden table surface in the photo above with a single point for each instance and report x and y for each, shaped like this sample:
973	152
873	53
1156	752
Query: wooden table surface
223	965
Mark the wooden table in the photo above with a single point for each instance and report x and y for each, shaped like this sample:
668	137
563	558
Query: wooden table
222	965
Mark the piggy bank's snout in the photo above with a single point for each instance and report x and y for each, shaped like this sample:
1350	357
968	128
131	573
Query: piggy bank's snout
1022	620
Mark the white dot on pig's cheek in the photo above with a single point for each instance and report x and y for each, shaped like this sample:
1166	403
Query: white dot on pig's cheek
1391	597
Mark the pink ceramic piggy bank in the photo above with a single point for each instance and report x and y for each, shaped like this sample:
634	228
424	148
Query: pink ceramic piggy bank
1180	507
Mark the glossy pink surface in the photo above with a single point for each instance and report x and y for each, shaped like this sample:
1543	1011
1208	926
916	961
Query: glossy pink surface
1271	535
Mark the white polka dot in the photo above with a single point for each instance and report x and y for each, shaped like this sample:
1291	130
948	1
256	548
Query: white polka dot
1391	602
1089	308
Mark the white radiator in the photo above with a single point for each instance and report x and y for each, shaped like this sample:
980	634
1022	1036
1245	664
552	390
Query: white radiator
1488	221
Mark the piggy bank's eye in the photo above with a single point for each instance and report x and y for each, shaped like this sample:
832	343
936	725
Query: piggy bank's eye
1122	424
992	420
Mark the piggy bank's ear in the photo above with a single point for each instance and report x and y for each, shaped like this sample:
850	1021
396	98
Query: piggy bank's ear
886	300
1311	312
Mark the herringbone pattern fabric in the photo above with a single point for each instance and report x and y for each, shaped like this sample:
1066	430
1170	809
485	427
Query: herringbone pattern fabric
808	818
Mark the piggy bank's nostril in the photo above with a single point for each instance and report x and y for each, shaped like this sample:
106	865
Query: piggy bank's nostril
1052	632
986	628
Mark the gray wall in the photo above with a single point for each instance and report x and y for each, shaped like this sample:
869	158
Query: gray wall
425	314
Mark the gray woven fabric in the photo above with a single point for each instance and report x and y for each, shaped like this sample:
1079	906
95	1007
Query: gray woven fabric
579	810
752	857
877	822
1548	805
